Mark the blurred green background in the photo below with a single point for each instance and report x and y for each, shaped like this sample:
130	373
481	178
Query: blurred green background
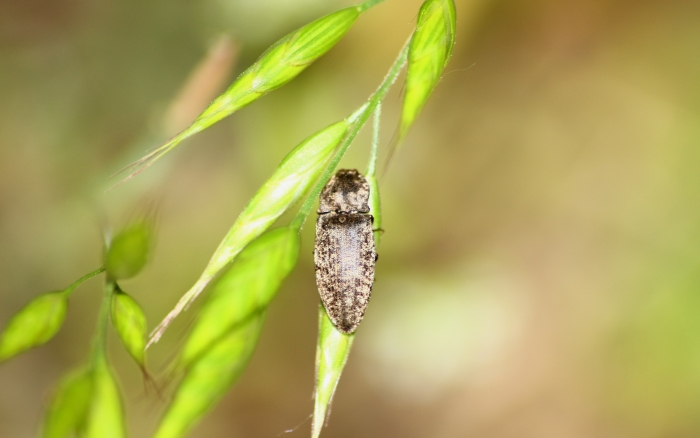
540	270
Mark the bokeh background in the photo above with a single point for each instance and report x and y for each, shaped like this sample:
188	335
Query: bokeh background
540	270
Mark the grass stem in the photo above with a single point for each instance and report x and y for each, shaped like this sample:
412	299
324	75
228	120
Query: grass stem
100	340
369	4
372	166
82	279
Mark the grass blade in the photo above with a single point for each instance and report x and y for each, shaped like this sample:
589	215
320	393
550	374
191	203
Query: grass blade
128	252
279	64
105	417
130	324
331	354
245	289
210	377
227	327
205	82
291	180
66	413
34	325
430	50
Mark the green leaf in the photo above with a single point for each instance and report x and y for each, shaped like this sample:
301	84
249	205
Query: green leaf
105	417
429	52
292	178
34	325
331	354
128	252
65	415
246	288
279	64
210	377
130	323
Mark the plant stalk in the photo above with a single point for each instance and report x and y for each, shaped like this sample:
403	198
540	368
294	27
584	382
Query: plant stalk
369	4
372	166
82	279
100	340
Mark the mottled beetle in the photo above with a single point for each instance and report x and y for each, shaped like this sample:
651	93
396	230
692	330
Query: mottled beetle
344	253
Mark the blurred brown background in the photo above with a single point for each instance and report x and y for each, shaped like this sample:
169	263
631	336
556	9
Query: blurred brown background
540	271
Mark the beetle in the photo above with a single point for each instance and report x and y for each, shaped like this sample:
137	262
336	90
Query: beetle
344	253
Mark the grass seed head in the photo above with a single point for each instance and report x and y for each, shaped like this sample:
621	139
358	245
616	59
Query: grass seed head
429	52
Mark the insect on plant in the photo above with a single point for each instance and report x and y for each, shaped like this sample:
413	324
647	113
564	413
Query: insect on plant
253	259
344	253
